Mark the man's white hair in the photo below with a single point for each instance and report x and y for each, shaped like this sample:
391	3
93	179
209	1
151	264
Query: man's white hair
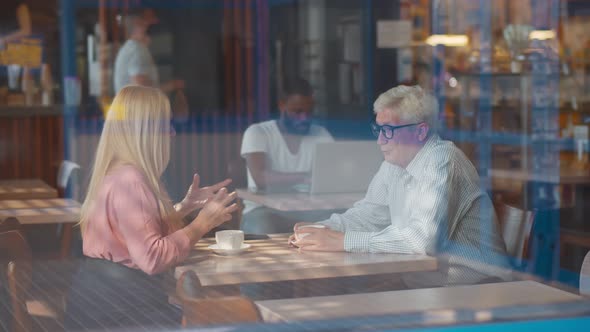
411	103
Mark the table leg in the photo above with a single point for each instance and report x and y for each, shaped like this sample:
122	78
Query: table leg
66	240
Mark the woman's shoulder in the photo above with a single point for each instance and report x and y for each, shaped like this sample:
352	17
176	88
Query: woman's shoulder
127	181
125	174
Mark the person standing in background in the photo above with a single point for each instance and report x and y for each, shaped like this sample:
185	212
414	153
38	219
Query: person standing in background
15	21
134	63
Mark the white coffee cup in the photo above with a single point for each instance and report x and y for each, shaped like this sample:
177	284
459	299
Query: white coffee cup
229	239
299	236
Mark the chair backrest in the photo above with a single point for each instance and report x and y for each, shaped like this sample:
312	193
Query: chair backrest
18	275
9	224
15	257
585	276
516	225
64	174
200	307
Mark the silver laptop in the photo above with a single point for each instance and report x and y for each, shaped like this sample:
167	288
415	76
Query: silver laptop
345	166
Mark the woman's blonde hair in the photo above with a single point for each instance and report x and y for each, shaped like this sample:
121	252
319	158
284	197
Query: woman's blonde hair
136	132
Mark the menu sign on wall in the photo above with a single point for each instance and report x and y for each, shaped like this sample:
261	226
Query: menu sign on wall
24	52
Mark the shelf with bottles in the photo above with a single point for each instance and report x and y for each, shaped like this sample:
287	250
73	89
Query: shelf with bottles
515	104
463	115
506	138
571	87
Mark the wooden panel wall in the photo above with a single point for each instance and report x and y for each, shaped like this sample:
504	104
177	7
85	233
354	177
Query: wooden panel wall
31	147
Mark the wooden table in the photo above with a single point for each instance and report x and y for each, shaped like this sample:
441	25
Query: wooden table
302	201
41	211
45	211
273	260
486	296
26	189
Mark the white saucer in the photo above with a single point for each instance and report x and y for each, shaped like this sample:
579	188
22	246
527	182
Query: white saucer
229	252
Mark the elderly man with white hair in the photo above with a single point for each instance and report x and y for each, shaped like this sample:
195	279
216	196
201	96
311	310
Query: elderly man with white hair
424	199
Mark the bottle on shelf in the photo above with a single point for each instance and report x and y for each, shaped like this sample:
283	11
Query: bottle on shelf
28	86
581	140
46	86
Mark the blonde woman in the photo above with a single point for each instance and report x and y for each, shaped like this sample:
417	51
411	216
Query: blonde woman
130	228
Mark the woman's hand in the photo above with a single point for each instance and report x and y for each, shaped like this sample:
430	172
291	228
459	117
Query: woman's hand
217	210
197	197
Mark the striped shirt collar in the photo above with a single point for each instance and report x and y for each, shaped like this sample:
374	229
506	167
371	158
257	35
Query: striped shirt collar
417	165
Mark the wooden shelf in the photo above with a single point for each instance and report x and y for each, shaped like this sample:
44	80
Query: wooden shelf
28	111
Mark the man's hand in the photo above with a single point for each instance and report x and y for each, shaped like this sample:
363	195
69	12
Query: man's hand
197	197
319	239
292	237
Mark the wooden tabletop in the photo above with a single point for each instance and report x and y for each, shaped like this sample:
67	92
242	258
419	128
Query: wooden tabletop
302	201
486	296
273	260
41	211
26	189
565	176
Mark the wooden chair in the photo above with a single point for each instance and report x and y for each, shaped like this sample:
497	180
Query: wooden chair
54	241
9	224
516	226
16	265
573	232
202	306
67	174
574	237
16	260
585	276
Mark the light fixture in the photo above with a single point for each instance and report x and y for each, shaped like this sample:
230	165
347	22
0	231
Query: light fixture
453	82
542	34
447	40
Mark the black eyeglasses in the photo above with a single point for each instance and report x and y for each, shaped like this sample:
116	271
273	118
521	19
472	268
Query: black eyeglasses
388	130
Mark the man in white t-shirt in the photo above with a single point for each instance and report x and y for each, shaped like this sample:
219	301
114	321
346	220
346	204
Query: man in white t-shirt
279	154
134	63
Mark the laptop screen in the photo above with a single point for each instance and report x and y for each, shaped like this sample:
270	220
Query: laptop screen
344	166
